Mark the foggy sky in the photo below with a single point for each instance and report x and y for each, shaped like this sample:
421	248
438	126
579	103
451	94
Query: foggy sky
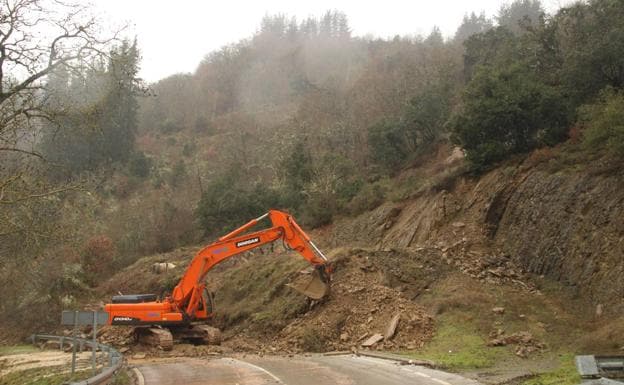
175	35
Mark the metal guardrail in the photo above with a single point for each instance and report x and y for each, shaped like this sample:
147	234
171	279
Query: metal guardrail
600	370
115	359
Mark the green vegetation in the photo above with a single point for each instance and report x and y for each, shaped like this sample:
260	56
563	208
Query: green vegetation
97	111
301	116
275	304
42	376
566	374
507	112
16	349
604	123
122	377
457	345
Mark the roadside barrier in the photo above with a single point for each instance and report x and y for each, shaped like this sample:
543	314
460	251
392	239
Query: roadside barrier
110	358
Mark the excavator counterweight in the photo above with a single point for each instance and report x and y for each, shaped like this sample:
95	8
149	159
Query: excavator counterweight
182	314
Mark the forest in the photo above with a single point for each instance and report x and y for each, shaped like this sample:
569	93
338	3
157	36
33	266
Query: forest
98	168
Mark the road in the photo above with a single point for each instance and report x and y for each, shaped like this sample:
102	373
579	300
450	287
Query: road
297	370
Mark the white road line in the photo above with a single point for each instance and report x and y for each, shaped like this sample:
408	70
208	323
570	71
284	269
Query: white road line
139	376
263	370
413	370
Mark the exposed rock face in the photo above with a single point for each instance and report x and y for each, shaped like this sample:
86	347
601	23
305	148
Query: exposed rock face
566	225
569	226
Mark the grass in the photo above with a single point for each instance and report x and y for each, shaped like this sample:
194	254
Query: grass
122	378
16	349
259	293
458	346
566	374
42	376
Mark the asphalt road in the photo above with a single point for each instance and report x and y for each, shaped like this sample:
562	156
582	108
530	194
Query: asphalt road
297	370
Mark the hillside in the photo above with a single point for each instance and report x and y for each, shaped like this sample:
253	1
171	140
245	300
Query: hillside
470	184
439	259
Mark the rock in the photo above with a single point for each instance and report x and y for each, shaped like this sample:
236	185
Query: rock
51	344
522	351
498	310
497	342
372	340
163	267
392	327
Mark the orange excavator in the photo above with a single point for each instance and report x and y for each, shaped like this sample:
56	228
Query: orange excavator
182	315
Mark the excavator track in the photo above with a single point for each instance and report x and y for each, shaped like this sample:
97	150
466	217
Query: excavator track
198	333
156	337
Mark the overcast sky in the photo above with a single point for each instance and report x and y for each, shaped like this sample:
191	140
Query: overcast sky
174	35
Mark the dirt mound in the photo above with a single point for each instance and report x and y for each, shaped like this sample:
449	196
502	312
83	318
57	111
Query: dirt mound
361	305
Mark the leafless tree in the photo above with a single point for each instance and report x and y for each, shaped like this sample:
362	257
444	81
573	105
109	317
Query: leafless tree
37	38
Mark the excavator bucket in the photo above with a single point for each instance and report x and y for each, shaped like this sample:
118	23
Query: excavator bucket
311	284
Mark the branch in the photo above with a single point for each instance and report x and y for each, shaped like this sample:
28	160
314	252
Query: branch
33	153
41	195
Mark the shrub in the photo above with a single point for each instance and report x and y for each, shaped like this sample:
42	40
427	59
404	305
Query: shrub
604	123
387	144
370	196
97	257
312	340
169	126
139	165
228	201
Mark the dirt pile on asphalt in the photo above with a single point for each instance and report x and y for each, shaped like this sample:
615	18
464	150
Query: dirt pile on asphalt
361	305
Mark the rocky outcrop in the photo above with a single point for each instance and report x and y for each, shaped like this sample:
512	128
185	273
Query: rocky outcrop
566	225
569	226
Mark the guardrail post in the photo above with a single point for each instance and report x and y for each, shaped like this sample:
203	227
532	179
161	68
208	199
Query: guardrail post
94	331
73	367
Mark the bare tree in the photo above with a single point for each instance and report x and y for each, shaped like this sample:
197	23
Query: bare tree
37	38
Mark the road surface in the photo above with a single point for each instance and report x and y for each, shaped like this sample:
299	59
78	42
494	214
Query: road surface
297	370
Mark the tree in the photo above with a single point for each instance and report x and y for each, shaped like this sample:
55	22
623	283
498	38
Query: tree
119	117
520	14
388	144
472	25
27	60
37	38
507	111
99	121
427	113
229	200
591	41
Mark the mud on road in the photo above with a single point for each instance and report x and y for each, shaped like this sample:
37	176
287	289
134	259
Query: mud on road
295	370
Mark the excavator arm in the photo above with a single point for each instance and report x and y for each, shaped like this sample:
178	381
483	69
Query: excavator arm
186	296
